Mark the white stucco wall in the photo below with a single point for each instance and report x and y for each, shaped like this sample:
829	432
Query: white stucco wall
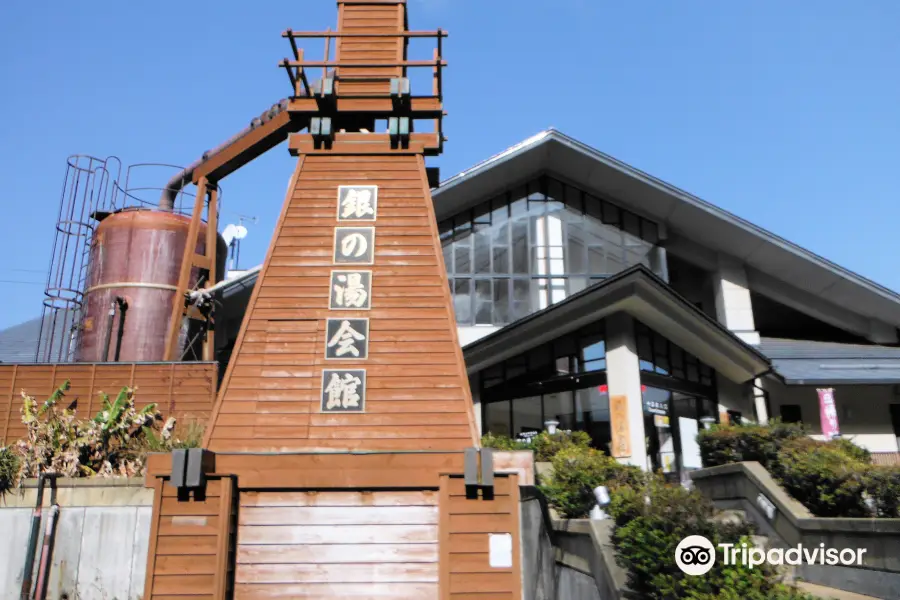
735	396
470	334
863	412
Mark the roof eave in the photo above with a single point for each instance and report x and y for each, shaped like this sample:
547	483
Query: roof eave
640	294
537	154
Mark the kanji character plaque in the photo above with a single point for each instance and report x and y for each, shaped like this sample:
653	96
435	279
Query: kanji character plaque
354	245
347	339
351	290
343	390
357	202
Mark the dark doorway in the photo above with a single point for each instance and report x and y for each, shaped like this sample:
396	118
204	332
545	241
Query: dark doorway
791	413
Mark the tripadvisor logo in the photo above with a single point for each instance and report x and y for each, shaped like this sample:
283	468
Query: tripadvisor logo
696	555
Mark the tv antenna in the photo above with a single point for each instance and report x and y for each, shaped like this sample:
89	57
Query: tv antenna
233	234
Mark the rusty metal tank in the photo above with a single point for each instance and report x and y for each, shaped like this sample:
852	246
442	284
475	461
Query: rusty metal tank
135	256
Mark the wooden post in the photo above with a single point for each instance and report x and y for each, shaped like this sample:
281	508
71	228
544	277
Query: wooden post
212	238
184	277
12	391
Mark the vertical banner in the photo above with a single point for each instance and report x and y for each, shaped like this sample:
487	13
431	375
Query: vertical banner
621	432
828	413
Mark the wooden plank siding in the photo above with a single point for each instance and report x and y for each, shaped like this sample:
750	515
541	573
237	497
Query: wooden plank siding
192	541
466	526
337	544
185	390
417	393
361	18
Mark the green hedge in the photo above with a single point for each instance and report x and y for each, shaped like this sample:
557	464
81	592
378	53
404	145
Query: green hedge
646	535
10	465
651	520
544	445
577	471
832	479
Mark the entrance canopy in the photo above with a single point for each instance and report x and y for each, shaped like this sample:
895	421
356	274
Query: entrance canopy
640	293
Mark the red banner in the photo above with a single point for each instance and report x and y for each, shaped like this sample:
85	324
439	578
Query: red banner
828	413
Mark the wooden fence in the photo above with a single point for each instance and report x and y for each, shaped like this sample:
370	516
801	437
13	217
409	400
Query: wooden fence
180	389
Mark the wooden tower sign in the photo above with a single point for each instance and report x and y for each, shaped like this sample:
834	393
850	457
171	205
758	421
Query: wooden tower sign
341	458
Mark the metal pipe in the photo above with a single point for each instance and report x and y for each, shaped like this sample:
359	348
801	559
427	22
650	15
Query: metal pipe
184	177
40	592
109	329
123	306
32	540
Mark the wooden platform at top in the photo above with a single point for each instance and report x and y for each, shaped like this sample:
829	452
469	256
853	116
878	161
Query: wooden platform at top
362	18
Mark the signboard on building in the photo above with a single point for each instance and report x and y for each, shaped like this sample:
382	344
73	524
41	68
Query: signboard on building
828	413
621	432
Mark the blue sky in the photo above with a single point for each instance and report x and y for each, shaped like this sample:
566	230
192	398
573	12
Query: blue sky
784	113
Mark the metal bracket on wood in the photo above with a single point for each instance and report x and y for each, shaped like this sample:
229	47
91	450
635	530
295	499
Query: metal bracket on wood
434	176
400	92
189	469
322	131
479	479
326	95
398	128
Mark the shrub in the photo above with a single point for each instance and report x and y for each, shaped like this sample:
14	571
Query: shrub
546	446
823	477
882	486
577	471
723	444
502	442
832	479
113	443
855	452
645	537
9	469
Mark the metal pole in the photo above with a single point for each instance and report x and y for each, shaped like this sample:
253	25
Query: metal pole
32	541
40	592
109	329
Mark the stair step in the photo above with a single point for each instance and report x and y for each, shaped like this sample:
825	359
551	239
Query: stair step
730	516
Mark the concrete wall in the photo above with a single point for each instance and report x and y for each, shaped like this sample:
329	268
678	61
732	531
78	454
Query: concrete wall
559	558
101	543
863	411
739	486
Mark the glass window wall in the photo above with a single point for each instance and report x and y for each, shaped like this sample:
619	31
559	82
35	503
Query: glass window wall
536	245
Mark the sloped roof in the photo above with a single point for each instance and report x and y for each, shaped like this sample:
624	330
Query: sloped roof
640	293
19	342
683	214
800	362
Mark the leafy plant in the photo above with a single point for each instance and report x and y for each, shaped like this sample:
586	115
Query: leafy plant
546	446
823	477
9	469
883	488
577	471
833	478
646	534
115	442
169	437
502	442
723	444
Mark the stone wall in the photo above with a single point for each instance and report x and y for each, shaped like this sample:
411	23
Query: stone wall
747	486
100	551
